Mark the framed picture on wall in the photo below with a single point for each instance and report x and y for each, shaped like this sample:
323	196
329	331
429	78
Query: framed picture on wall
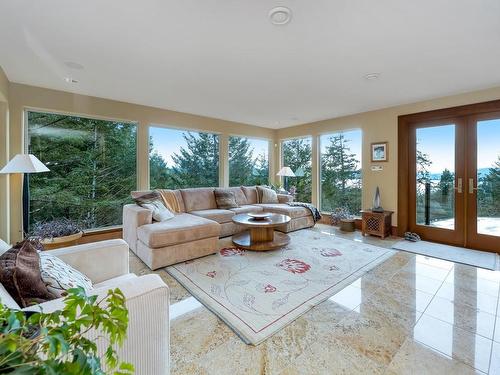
380	151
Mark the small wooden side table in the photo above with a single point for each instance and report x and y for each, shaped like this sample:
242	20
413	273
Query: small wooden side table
376	223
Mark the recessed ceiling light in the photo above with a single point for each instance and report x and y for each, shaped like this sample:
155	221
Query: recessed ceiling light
73	65
280	15
372	76
70	80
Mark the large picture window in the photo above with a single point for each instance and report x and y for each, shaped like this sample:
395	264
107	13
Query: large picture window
341	171
248	161
92	168
182	159
296	154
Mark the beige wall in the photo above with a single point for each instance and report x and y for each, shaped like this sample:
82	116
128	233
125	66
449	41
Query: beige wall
4	154
23	96
380	126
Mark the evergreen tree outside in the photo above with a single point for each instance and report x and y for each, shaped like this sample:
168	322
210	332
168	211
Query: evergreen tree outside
196	164
261	170
296	153
246	169
198	154
340	173
488	194
92	168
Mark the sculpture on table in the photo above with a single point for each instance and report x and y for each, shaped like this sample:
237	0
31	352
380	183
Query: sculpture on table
376	202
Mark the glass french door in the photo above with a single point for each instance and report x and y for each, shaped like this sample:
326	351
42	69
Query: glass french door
437	169
483	182
454	186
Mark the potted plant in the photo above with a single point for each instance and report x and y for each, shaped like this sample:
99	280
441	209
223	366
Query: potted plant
57	233
55	343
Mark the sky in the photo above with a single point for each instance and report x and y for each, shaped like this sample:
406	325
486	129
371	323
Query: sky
169	141
439	143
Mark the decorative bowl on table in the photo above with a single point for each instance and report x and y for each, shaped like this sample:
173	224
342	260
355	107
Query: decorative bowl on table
260	215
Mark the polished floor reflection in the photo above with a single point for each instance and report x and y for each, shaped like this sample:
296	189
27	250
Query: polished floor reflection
409	315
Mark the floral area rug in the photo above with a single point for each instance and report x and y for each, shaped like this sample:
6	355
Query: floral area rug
259	293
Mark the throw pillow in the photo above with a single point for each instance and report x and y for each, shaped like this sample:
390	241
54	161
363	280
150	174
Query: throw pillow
160	212
225	199
154	202
267	195
147	197
59	276
21	276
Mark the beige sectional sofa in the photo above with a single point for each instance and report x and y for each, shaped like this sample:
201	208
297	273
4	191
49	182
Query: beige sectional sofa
195	230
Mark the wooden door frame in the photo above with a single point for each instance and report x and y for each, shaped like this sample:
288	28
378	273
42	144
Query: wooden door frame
405	123
475	239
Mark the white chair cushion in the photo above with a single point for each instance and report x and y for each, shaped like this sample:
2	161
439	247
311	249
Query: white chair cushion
4	246
115	281
59	276
7	300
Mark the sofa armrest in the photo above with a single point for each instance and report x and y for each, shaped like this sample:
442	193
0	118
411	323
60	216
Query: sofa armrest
134	217
99	261
285	198
148	333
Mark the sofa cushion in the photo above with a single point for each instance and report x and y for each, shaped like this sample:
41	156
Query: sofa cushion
173	200
198	199
246	209
182	228
220	216
266	195
225	199
285	209
241	198
250	193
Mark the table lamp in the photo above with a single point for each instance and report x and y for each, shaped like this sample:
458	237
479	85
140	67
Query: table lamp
26	164
285	172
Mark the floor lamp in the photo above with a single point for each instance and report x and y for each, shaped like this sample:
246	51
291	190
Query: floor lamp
285	172
26	164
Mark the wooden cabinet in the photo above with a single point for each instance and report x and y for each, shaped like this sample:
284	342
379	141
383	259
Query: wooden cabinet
376	223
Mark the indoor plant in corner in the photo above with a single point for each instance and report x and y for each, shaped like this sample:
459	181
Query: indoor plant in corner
57	233
55	343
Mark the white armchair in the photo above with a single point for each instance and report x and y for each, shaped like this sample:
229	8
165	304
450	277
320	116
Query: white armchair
106	263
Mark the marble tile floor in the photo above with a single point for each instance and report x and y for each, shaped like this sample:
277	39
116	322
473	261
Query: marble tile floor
409	315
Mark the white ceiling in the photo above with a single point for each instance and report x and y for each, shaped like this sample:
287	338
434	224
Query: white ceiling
224	59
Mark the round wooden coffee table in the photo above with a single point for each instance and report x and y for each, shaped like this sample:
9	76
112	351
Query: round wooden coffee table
260	235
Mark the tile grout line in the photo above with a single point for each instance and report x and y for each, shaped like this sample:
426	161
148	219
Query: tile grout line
420	317
494	330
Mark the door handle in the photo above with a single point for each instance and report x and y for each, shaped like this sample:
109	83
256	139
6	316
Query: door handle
471	186
459	186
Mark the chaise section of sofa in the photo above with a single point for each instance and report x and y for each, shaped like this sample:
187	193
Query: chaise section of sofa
195	230
161	244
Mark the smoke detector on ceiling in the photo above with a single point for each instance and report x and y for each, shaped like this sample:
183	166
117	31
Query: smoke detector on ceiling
280	15
372	76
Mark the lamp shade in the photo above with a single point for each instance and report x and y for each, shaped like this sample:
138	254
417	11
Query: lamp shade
24	163
285	172
299	172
